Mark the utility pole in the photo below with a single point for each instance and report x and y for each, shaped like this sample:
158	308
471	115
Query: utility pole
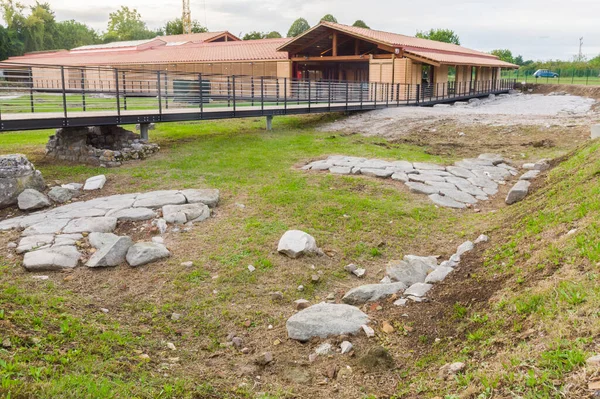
580	56
186	17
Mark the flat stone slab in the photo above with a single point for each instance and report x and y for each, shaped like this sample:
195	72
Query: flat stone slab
438	275
383	173
418	289
205	196
446	202
29	243
158	199
86	225
58	258
408	272
143	253
325	319
421	188
48	226
181	214
372	292
94	183
132	214
341	170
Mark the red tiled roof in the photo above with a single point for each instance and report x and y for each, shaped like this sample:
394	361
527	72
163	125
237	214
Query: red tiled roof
251	50
452	52
460	59
195	37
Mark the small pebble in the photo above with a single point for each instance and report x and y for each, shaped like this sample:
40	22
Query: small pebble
187	264
368	331
346	347
40	277
359	272
277	296
315	278
175	316
300	288
350	268
251	268
104	310
171	346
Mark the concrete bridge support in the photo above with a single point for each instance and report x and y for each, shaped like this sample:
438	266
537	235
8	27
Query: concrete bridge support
269	122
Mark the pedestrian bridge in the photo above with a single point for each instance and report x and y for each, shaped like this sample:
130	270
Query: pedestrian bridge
47	96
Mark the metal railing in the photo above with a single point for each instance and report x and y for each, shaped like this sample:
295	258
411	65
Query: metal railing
40	91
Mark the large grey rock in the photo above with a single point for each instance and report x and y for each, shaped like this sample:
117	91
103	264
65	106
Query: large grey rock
132	214
206	196
57	258
418	289
372	292
146	252
295	243
94	183
430	261
439	274
111	254
408	272
446	201
400	176
16	175
47	226
483	182
465	247
530	175
61	194
104	224
30	243
341	170
158	199
518	192
325	319
180	214
31	199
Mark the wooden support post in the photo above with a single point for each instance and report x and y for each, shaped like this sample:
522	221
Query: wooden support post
334	45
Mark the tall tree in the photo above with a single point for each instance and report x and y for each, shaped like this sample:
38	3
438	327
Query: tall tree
127	24
175	27
359	23
255	35
440	35
73	34
329	18
298	27
273	35
519	60
504	55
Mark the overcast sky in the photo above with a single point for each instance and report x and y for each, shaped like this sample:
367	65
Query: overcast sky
537	29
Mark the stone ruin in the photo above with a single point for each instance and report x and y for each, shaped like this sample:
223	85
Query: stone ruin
16	175
107	146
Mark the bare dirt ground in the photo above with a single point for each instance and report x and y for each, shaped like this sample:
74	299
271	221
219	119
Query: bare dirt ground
517	110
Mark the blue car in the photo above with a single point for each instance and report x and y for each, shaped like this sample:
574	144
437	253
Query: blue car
545	73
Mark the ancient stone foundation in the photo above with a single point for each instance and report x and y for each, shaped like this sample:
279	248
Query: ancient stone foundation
106	146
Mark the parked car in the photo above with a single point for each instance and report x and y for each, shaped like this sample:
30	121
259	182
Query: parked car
545	73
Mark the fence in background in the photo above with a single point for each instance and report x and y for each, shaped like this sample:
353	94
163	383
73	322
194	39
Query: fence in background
56	96
589	77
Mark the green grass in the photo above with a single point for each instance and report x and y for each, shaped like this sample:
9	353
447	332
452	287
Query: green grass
85	353
530	339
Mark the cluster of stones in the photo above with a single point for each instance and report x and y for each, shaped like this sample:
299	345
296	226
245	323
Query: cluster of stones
413	277
459	186
107	146
520	190
52	239
16	175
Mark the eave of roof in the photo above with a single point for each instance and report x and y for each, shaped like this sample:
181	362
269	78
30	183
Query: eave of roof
406	43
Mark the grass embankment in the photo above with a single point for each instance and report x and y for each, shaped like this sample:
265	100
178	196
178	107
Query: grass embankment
523	314
541	271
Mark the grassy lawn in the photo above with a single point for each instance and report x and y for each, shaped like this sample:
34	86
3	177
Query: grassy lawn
528	337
